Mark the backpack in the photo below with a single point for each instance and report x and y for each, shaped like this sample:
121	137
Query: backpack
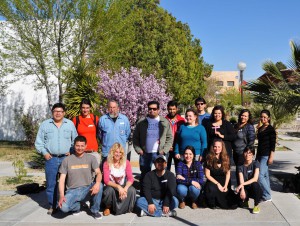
78	121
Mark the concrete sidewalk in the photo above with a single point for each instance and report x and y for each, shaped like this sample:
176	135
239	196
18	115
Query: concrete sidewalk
283	210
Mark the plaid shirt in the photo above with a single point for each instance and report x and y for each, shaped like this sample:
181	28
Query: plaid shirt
190	174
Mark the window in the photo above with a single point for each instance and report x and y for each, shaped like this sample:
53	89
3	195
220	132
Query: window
230	83
220	83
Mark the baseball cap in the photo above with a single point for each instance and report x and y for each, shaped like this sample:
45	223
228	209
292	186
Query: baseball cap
161	157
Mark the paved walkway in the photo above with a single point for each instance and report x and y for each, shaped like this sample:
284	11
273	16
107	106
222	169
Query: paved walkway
283	210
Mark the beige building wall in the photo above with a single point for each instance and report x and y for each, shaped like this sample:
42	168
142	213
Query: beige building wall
226	79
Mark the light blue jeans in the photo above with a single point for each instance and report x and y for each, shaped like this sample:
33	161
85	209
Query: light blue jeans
264	179
75	195
190	191
142	204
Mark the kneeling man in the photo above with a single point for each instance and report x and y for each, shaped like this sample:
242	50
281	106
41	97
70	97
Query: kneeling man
79	168
159	186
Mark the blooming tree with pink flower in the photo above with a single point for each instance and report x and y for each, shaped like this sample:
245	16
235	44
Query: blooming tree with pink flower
133	91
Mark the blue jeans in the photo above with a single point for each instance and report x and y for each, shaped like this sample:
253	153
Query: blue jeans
187	191
146	161
75	195
51	170
142	204
264	179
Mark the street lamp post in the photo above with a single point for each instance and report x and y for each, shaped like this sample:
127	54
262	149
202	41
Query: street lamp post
242	67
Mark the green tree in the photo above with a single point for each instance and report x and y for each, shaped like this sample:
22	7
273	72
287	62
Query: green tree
44	39
279	91
166	47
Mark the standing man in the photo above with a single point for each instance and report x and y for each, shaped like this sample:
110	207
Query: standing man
78	170
54	141
175	121
203	116
113	127
160	190
152	137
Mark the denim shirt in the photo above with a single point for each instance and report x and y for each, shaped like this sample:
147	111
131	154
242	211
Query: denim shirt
54	140
111	132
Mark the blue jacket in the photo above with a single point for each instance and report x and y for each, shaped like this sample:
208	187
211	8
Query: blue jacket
53	140
111	132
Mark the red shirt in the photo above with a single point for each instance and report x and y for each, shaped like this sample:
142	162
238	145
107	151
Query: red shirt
88	129
175	123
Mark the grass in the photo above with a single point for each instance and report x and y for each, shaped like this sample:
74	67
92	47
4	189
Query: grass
10	150
9	201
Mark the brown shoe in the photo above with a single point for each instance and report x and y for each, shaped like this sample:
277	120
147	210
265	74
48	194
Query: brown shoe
181	205
106	211
194	205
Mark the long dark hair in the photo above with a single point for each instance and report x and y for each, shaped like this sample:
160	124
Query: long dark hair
238	125
193	167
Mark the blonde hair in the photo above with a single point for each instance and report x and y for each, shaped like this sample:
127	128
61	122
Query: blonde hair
110	157
212	161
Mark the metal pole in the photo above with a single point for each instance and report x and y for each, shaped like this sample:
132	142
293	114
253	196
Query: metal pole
242	97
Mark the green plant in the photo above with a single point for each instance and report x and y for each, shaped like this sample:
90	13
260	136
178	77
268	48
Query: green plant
29	123
20	170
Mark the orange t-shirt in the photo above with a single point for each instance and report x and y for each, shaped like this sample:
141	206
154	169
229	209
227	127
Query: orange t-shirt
87	128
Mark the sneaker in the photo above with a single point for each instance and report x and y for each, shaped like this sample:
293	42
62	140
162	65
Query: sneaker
51	211
173	213
97	215
256	209
182	205
194	205
265	200
76	213
142	213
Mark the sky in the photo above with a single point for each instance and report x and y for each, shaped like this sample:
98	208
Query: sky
231	31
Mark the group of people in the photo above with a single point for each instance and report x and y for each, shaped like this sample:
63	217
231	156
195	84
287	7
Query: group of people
202	146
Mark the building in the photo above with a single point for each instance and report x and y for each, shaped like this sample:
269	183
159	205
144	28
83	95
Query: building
226	79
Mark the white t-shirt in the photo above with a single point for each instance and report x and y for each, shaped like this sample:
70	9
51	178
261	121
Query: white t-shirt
117	175
152	141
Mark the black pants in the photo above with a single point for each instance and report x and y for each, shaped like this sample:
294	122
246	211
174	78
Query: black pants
253	191
171	156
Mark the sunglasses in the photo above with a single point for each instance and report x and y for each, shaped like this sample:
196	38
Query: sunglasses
153	109
200	104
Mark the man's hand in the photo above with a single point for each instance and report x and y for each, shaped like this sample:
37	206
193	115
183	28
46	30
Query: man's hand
68	153
47	156
95	189
151	208
162	152
166	209
141	152
61	200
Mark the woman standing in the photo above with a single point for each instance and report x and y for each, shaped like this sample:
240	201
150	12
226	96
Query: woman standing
118	194
217	172
220	128
189	176
86	125
245	138
191	134
266	137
